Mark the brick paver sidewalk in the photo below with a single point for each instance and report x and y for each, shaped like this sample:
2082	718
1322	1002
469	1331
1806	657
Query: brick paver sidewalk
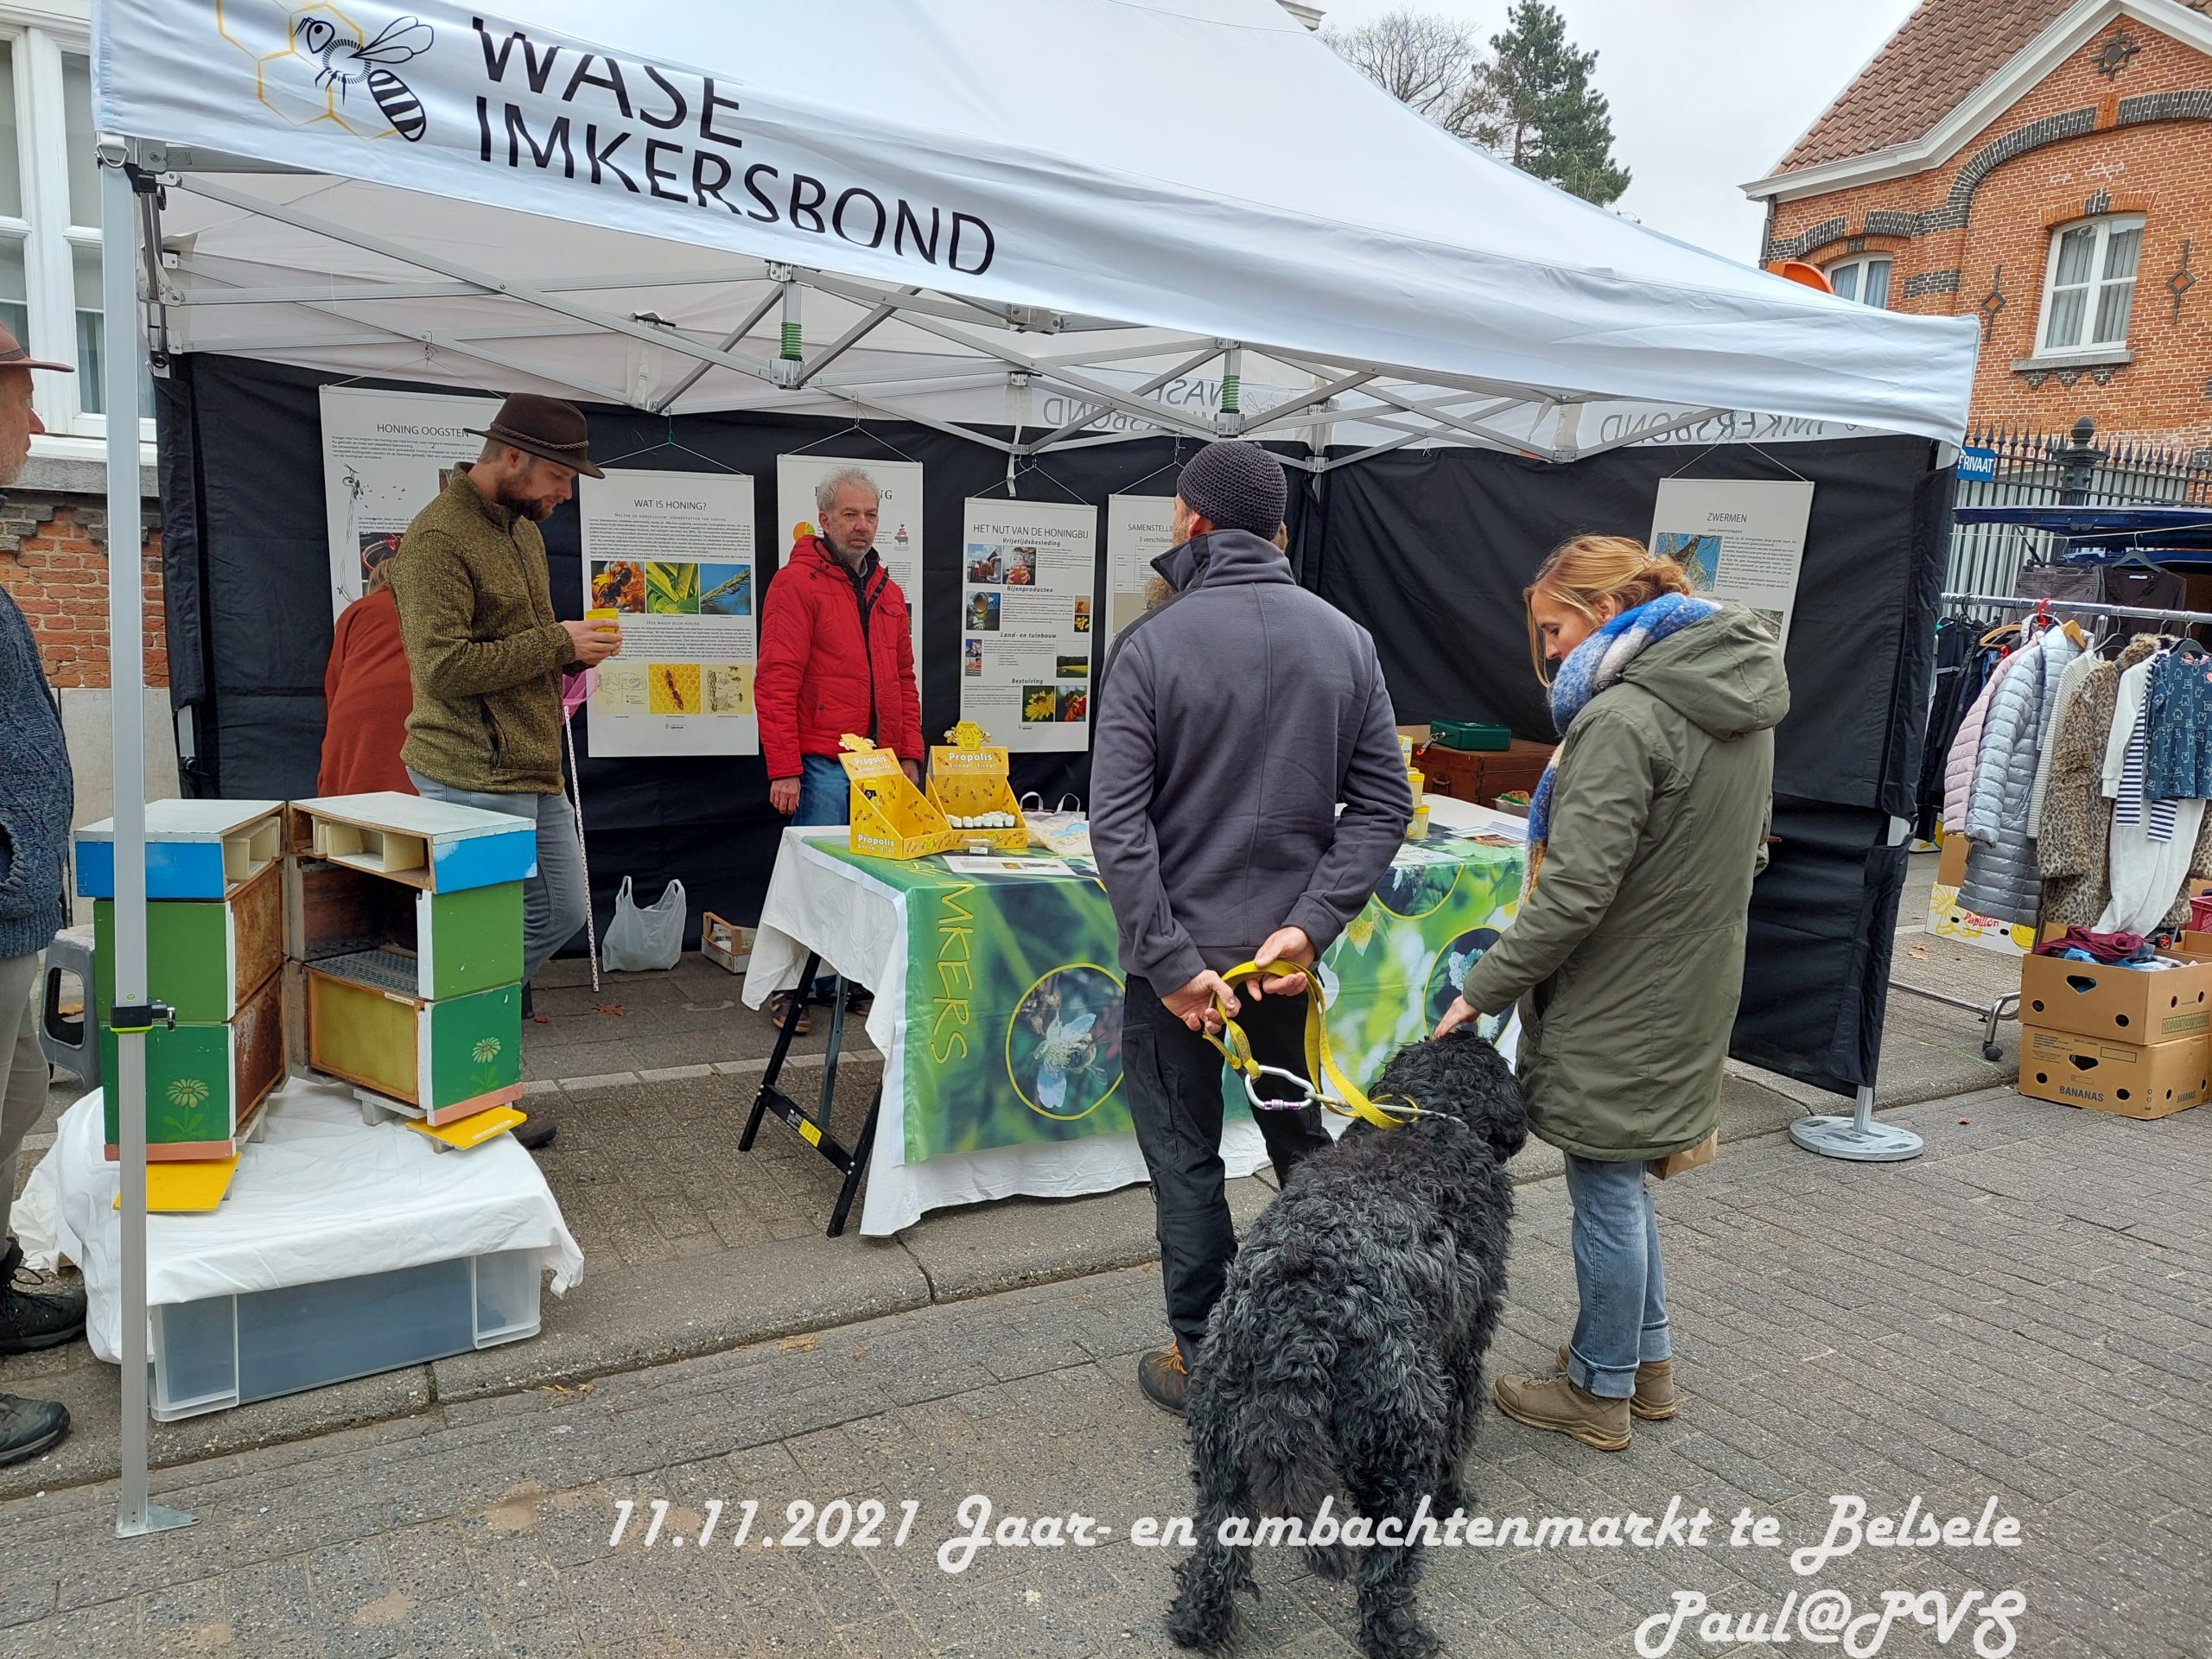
2022	1314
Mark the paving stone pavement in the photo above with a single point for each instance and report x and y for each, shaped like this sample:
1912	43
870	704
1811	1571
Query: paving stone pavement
2021	1314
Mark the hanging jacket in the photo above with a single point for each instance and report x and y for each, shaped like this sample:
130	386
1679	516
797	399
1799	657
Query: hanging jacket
836	656
2074	832
2069	685
1958	765
1627	956
2002	878
1959	673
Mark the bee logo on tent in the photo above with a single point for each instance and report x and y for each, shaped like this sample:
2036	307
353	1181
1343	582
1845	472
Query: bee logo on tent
318	62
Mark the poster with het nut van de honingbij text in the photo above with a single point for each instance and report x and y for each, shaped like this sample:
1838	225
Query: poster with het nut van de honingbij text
671	554
1740	542
1029	570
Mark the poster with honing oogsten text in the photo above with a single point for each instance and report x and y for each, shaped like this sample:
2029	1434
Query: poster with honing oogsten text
1028	638
898	522
671	554
1740	542
386	455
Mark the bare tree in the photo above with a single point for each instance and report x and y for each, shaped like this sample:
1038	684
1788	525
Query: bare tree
1431	66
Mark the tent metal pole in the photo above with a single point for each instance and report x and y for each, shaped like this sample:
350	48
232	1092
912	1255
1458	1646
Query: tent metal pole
729	341
133	1011
1650	432
1090	411
852	337
1156	413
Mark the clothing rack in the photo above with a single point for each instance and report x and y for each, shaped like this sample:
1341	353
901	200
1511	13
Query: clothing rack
2078	608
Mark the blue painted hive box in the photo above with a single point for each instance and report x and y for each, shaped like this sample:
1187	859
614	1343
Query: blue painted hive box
194	849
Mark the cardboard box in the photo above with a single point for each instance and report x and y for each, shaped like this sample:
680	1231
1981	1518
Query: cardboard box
725	944
2194	947
1951	862
2126	1079
2122	1005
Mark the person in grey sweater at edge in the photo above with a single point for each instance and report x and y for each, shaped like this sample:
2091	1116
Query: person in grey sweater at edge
1231	720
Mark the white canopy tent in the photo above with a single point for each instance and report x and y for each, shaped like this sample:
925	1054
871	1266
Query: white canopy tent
974	215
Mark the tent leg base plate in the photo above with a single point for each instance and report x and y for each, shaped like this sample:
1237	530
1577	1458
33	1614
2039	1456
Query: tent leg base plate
160	1517
1861	1143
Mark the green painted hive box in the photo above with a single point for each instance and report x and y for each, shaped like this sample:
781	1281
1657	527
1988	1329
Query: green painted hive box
205	958
444	1060
204	1082
391	935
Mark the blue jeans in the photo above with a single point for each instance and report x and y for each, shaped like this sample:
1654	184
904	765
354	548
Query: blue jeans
1624	1291
554	902
825	791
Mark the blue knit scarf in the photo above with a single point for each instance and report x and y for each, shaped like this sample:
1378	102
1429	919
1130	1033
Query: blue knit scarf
1597	663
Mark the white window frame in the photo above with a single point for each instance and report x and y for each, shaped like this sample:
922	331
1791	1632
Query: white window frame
1860	262
2106	224
38	41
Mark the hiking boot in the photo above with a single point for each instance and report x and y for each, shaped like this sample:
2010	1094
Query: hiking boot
45	1318
29	1426
778	1008
1654	1400
1163	1380
1555	1404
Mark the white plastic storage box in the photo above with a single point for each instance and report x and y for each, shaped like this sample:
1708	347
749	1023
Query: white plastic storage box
227	1351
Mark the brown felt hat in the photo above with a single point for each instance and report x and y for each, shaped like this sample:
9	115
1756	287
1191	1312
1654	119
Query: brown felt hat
545	427
15	355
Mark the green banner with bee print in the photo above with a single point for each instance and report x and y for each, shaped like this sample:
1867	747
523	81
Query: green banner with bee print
1013	1016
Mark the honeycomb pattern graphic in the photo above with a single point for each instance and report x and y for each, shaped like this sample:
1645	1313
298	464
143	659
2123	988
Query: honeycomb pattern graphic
285	72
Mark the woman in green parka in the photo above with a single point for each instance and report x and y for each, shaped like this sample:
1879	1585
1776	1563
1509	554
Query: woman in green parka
1627	956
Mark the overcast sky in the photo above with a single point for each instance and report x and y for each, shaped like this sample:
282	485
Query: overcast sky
1706	94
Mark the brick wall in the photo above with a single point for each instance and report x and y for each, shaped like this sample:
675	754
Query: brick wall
53	564
1972	237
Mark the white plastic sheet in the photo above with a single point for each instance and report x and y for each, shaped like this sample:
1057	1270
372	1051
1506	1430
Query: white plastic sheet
320	1196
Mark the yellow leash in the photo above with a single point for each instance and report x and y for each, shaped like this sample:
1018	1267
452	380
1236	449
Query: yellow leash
1336	1093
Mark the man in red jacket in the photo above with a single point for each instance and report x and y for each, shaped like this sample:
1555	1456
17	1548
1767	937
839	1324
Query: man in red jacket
836	656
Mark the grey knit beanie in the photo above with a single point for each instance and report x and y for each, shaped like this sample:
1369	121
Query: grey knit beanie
1238	486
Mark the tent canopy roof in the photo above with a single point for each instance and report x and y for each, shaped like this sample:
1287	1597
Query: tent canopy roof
1046	216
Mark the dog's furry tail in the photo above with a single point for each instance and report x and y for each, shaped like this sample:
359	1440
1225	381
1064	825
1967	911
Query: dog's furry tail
1290	1442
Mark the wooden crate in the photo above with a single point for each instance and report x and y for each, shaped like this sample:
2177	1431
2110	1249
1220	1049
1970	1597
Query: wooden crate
433	845
445	1059
194	849
203	1082
205	958
438	944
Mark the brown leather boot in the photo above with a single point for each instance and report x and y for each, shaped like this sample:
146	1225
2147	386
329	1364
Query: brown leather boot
1163	1380
1654	1400
1555	1404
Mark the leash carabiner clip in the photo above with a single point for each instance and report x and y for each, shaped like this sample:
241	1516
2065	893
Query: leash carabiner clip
1252	1074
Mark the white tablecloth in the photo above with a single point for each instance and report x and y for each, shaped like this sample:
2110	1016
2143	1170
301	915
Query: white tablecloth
858	926
319	1195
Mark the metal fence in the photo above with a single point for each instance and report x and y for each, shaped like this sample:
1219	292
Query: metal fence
2039	469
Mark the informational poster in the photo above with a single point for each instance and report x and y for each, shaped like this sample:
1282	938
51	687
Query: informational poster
1028	569
898	525
385	456
1744	543
672	553
1136	534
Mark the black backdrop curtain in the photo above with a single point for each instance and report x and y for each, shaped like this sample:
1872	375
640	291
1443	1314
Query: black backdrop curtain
1429	549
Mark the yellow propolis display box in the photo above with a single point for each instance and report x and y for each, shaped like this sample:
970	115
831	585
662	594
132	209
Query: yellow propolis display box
890	817
967	783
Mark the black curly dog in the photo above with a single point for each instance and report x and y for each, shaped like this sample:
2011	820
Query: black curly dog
1344	1358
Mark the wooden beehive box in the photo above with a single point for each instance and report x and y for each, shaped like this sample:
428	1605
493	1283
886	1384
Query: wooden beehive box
194	849
203	1081
444	1060
431	845
355	926
205	958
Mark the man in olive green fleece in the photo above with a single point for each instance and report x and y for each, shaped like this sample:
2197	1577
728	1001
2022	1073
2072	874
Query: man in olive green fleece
486	654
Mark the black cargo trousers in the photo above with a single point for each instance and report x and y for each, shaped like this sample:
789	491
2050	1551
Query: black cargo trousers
1174	1078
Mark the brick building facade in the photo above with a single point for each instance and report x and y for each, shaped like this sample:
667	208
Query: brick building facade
2046	167
53	564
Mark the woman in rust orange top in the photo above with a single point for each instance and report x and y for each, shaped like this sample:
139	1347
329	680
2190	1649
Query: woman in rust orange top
366	697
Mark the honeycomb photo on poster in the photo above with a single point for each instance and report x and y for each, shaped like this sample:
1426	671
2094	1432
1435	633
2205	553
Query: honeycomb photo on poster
728	688
672	687
671	590
725	590
1699	556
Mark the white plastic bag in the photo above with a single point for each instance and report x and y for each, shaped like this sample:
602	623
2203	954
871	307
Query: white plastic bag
641	941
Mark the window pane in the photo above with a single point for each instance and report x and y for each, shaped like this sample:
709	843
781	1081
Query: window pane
2114	302
1878	282
91	341
2121	253
14	311
1845	279
2066	309
84	155
2075	251
11	166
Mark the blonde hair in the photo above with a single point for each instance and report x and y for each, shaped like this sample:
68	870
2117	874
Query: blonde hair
1583	572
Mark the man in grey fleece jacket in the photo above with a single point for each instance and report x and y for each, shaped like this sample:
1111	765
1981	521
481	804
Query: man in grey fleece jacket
1231	720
